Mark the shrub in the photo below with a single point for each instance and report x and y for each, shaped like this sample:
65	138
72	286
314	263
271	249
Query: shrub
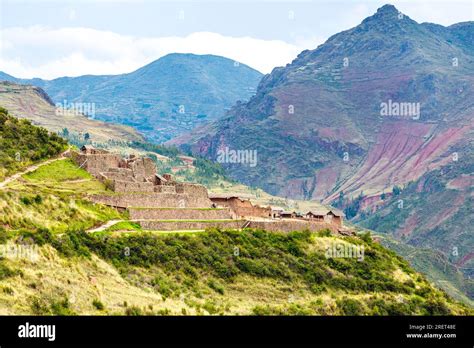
163	286
38	199
42	236
133	311
216	286
39	306
366	237
97	304
61	307
6	272
4	235
436	307
26	200
324	233
350	306
7	290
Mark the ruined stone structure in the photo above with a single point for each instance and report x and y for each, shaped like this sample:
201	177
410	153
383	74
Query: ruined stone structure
242	208
158	202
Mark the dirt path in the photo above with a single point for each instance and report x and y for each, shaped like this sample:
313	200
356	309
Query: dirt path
104	226
29	169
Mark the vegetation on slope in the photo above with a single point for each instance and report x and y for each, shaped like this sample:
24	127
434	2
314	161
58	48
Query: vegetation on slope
53	197
22	144
247	272
419	216
437	268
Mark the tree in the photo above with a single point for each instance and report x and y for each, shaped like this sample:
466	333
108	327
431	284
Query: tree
87	136
396	190
340	202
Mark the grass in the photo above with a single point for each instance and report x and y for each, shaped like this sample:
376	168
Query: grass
215	272
134	226
53	197
124	226
58	171
236	263
206	221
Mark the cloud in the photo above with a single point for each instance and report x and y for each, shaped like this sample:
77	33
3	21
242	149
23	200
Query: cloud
44	52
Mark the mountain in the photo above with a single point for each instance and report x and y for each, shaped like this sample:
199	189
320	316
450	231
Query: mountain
355	121
162	99
32	103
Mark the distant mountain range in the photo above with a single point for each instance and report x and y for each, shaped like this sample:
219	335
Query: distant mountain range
379	113
161	100
32	103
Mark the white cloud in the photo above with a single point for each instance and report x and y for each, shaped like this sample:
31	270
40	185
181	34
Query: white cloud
48	53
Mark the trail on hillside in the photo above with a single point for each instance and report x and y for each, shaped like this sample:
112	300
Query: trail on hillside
31	168
103	227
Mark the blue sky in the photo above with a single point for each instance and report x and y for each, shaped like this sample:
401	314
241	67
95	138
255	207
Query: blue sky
69	38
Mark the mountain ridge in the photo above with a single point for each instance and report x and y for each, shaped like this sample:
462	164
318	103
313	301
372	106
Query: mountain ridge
161	99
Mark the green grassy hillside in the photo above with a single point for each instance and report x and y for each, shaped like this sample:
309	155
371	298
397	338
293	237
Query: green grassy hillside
22	144
212	272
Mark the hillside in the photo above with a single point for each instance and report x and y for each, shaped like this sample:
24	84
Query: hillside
32	103
163	99
326	128
22	144
425	220
213	272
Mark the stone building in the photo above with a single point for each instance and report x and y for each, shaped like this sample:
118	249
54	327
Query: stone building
331	216
241	207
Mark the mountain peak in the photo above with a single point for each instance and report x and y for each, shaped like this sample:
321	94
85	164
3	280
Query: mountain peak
387	9
387	12
388	17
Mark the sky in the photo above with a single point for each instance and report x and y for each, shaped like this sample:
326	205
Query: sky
55	38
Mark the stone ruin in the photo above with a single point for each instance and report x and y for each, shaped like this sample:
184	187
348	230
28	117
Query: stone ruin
137	183
158	202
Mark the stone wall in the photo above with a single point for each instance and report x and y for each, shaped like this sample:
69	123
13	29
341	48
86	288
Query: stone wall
152	200
95	164
165	189
192	189
130	186
156	225
292	225
177	213
243	208
118	174
143	168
